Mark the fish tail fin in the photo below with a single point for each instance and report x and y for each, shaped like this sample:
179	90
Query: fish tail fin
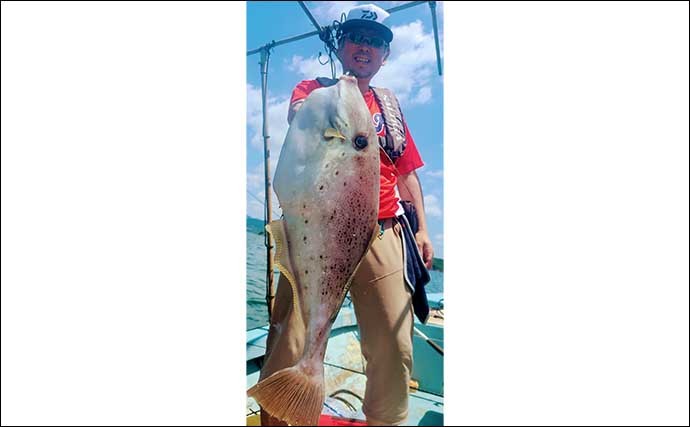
291	395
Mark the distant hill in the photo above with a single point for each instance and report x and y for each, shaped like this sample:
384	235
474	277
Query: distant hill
437	264
257	226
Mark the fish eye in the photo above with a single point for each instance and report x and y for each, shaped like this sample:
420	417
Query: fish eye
360	142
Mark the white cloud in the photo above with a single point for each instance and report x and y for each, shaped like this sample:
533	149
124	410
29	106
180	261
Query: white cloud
277	109
432	206
325	12
255	177
411	65
423	96
438	173
255	204
255	209
256	192
390	4
310	68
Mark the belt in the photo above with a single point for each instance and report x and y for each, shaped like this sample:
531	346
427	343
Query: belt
387	223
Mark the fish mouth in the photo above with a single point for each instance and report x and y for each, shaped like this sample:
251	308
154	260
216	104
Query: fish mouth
349	75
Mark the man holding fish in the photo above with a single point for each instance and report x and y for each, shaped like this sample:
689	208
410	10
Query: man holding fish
347	162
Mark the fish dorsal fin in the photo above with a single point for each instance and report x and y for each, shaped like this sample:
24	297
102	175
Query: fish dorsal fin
282	259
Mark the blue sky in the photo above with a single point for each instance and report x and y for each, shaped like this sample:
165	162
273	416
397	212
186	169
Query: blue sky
410	72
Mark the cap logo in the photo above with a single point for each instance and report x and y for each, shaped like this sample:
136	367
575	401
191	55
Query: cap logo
368	14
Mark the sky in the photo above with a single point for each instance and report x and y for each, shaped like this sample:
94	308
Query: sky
411	72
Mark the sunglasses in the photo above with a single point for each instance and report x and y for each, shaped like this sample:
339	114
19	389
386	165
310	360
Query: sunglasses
373	41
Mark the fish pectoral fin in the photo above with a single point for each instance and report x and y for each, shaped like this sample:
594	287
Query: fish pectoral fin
333	133
281	260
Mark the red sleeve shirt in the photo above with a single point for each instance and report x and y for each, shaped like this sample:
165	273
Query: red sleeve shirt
410	160
303	89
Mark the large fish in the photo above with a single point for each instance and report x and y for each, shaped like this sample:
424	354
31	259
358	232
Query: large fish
327	183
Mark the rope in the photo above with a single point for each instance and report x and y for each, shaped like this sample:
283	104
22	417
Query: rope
329	35
342	390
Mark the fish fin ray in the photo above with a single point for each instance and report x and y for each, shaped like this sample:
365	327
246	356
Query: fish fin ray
281	260
291	395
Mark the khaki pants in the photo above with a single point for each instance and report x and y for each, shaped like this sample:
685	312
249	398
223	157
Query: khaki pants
383	306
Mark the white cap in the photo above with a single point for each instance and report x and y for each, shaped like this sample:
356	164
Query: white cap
368	16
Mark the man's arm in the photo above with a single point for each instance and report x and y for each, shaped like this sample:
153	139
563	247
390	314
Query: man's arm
411	189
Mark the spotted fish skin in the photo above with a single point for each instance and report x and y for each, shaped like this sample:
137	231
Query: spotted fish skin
328	190
327	183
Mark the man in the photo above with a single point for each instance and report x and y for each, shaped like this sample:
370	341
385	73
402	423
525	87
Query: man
381	297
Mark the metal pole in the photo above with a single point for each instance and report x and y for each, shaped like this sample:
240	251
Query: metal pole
309	15
432	5
285	41
270	293
323	32
428	340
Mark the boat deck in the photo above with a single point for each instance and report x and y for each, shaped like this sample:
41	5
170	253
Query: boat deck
344	372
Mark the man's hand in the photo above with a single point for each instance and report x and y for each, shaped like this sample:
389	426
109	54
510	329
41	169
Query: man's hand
411	189
425	247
